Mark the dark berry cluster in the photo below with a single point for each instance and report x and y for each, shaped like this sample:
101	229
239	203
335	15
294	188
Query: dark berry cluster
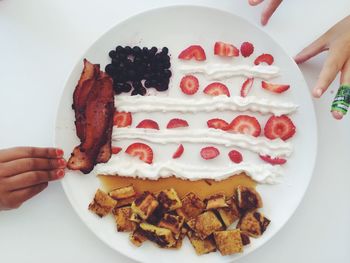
138	69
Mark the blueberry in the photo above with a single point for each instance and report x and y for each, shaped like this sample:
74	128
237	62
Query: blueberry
153	51
161	87
165	50
167	73
118	87
137	85
126	87
134	92
119	49
166	64
109	69
142	91
115	61
136	50
112	54
148	84
128	50
145	51
131	74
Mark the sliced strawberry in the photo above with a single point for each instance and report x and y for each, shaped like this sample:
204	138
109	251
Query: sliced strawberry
141	150
246	86
216	89
273	161
116	150
122	119
217	124
276	88
279	127
194	51
148	124
235	156
247	49
267	58
177	123
178	152
189	84
225	49
245	124
210	152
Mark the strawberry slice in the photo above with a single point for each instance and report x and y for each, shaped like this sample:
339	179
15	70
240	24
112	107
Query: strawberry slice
194	51
122	119
246	125
116	150
216	89
177	123
189	84
246	86
217	124
178	152
273	161
225	49
235	156
276	88
148	124
141	150
266	58
247	49
210	152
279	127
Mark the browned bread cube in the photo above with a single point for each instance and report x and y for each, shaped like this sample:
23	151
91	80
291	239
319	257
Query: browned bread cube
228	241
125	202
122	218
144	205
201	246
161	236
173	223
169	199
229	214
253	224
215	201
137	238
245	239
192	206
248	199
102	204
123	192
205	224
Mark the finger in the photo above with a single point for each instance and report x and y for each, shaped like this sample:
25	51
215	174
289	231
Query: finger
16	198
30	164
270	9
316	47
255	2
11	154
28	179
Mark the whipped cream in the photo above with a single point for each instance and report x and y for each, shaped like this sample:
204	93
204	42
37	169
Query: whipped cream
218	103
223	71
124	165
260	145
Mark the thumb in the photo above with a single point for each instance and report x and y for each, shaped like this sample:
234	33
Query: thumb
312	50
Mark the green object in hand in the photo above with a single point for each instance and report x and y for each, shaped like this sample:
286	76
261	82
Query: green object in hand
341	101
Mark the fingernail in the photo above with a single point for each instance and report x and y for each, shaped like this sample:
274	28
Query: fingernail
319	92
337	115
59	152
60	174
62	163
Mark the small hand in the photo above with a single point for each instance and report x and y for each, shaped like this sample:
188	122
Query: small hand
26	171
271	7
337	41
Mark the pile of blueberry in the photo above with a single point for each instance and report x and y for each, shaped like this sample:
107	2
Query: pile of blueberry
138	69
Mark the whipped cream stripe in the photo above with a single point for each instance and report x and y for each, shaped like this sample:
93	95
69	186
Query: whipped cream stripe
218	103
124	165
260	145
222	71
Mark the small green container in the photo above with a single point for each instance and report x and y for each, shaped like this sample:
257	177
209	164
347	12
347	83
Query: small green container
341	101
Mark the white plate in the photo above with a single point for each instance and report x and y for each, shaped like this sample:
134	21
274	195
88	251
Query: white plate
176	28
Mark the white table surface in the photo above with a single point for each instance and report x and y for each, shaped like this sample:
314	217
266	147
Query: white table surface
41	40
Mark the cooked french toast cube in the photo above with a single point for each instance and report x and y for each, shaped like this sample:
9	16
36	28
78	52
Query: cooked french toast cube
144	205
135	218
192	206
161	236
122	218
205	224
248	199
122	192
215	201
169	199
102	204
229	241
125	202
229	214
201	246
253	224
173	223
179	240
137	238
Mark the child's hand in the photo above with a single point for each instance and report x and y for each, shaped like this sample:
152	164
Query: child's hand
270	8
337	41
26	171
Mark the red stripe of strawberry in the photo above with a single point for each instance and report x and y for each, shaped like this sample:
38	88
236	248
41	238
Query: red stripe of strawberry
194	51
266	58
210	152
273	161
217	124
177	123
122	119
116	150
178	152
189	84
142	151
235	156
279	127
246	86
246	125
216	89
276	88
148	124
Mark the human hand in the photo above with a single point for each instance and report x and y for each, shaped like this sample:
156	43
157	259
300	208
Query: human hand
26	171
337	41
270	8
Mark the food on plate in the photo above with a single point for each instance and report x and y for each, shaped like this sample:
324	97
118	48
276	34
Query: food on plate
93	103
193	52
273	161
209	152
245	124
165	219
137	69
122	119
148	124
142	151
102	204
217	124
273	87
176	123
246	87
216	89
235	156
178	152
116	150
279	127
122	192
225	49
247	49
264	58
189	84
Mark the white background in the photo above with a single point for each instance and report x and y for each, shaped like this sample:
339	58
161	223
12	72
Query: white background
40	42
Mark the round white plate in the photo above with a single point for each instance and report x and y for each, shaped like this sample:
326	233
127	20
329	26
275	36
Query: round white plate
177	28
